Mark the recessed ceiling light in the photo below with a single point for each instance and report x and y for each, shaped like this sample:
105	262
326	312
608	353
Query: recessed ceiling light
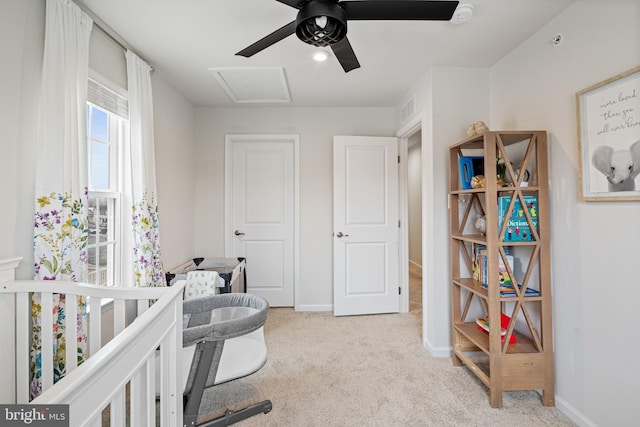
320	56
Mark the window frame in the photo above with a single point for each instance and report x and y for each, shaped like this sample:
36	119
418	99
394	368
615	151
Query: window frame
118	131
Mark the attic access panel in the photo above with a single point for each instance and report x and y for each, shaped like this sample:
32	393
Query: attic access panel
253	85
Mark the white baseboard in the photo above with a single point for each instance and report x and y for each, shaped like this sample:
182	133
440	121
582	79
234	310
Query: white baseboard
438	351
573	414
415	264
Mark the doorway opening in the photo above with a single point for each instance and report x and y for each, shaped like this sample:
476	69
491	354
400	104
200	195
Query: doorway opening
414	222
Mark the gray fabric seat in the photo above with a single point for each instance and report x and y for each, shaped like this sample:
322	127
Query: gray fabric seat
222	340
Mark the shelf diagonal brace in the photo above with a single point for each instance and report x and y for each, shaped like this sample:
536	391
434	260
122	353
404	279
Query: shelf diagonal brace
466	255
502	152
533	144
527	274
511	327
474	201
527	317
467	306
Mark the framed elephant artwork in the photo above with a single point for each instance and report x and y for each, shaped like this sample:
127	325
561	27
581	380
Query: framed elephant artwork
608	116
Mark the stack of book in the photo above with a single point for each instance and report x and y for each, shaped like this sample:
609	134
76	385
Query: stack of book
505	280
507	290
480	265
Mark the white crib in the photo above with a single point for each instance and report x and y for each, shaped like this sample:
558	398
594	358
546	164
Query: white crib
127	361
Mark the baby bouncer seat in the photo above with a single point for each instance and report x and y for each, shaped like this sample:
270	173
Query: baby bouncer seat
223	340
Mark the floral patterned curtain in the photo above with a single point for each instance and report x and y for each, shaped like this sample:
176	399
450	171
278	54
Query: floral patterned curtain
142	234
60	227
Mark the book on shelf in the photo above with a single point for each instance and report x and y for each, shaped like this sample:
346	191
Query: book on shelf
479	252
480	265
484	325
518	228
507	290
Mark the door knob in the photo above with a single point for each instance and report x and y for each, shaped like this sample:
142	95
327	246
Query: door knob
238	233
340	234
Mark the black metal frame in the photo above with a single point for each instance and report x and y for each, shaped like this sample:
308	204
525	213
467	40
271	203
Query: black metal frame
210	351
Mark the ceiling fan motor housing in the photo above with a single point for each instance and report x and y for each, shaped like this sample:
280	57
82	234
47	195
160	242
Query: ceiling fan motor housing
309	30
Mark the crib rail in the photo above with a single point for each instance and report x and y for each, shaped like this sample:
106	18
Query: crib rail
127	359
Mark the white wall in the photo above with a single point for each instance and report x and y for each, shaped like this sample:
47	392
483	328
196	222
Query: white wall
448	99
174	133
22	29
596	286
460	97
316	127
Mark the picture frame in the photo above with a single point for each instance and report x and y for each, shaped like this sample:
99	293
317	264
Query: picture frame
608	118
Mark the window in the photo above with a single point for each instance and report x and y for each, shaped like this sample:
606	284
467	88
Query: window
105	133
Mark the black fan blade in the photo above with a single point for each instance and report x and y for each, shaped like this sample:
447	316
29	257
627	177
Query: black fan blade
345	54
294	3
401	10
267	41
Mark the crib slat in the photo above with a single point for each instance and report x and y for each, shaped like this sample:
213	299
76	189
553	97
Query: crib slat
135	414
95	325
71	332
150	400
165	383
23	315
7	352
117	408
46	335
175	340
138	398
170	413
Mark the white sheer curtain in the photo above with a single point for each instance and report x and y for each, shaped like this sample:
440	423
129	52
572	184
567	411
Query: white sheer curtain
142	233
60	226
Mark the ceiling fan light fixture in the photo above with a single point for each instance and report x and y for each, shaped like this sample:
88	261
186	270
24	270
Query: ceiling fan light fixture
321	23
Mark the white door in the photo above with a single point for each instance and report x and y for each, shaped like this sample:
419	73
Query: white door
365	220
261	219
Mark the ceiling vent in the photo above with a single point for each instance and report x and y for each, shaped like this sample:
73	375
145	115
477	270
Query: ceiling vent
253	85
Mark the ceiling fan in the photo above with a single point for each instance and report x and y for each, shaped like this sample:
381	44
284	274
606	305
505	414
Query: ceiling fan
324	22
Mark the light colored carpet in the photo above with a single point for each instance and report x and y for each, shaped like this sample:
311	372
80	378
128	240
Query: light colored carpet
366	371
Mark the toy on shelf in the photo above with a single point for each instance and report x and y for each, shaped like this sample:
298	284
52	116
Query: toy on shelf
477	128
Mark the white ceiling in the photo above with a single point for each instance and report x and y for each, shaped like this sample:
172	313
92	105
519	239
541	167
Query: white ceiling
183	39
